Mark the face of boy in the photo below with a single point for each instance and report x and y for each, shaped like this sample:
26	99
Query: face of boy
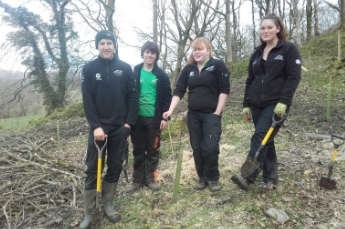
106	49
149	57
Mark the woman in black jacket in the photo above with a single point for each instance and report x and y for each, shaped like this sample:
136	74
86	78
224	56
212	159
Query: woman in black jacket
274	73
207	80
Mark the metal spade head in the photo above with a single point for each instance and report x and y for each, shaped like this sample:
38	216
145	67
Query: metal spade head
327	182
249	167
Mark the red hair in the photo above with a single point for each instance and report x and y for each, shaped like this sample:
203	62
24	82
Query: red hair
197	44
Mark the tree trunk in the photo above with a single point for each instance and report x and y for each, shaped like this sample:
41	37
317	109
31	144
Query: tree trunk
155	21
316	18
254	28
309	18
228	34
297	23
342	15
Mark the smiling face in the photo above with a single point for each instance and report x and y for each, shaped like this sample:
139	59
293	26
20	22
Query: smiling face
268	31
106	49
201	53
149	57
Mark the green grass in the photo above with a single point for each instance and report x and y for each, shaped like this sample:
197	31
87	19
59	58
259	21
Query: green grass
19	122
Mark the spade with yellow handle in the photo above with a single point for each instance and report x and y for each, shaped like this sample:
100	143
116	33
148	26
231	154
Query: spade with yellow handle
99	169
327	182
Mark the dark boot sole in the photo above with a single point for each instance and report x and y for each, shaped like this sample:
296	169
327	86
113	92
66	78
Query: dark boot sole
240	182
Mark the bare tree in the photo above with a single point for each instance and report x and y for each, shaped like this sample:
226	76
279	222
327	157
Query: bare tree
44	46
309	12
155	20
316	18
342	15
98	15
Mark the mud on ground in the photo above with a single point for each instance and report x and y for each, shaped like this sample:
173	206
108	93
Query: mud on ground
41	186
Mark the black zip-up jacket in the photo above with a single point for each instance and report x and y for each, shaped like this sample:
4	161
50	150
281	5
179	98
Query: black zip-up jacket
163	94
109	94
205	86
279	83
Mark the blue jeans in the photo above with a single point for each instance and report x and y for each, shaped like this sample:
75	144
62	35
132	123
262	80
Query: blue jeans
262	118
204	133
115	149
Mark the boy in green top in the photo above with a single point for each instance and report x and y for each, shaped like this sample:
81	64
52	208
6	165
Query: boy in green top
154	91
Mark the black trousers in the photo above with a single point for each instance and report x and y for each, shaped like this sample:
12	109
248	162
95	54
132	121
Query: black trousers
146	142
262	118
115	149
204	132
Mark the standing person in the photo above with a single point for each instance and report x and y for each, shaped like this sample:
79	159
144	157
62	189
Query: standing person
111	108
207	80
273	76
153	86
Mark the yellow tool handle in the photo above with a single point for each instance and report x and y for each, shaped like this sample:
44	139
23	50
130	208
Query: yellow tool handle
99	168
268	135
334	154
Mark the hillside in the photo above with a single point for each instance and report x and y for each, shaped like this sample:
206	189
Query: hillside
303	145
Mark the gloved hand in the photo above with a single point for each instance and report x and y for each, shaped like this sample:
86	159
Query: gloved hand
246	113
279	110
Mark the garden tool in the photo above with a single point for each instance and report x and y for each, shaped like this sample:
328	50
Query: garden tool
327	182
99	169
251	164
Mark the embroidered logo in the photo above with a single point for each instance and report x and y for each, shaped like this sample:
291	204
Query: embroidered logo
279	57
191	74
298	61
98	76
211	68
118	72
255	61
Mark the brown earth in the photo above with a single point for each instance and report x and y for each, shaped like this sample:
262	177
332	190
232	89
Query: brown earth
41	186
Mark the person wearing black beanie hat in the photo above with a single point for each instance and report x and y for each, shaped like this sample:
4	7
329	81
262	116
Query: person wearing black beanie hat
104	34
111	107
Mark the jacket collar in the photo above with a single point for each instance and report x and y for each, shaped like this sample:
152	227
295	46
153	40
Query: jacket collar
209	62
107	61
263	45
155	69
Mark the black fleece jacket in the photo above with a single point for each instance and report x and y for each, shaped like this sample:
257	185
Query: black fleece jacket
205	86
109	93
279	83
163	95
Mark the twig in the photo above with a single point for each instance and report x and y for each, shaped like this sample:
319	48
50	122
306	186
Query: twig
40	166
6	216
74	195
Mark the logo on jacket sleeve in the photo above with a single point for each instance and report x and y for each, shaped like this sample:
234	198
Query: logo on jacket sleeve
298	61
279	57
98	76
118	72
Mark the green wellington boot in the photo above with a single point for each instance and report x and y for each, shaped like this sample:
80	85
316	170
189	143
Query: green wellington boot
108	194
90	204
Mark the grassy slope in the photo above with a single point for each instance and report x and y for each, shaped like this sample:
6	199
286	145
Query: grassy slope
298	194
302	162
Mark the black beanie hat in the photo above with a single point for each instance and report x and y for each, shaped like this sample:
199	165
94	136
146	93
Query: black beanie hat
104	34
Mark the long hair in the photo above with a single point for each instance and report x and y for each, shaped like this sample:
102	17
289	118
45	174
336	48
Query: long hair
199	43
279	23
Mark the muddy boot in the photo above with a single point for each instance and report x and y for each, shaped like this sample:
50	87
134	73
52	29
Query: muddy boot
90	204
108	194
134	187
242	183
